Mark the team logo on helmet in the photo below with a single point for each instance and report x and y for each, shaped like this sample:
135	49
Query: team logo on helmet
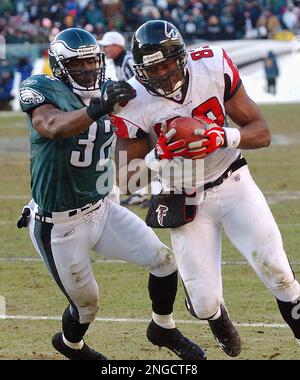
30	96
170	32
162	212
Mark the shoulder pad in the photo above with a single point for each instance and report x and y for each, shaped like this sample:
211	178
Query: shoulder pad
39	89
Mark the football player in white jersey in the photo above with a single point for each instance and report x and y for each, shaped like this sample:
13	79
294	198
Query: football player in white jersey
171	82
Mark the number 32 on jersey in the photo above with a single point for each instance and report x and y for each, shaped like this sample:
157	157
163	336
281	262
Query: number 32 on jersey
85	159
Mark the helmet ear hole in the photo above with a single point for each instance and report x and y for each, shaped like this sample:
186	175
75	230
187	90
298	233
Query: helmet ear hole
57	72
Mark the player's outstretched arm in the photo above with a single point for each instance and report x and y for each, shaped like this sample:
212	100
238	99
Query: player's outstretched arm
53	123
247	115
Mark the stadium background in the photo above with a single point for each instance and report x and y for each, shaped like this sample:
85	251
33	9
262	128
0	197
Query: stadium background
247	30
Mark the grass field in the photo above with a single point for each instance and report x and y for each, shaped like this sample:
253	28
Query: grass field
34	303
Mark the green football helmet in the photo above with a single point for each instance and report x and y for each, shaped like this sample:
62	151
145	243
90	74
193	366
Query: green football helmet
75	43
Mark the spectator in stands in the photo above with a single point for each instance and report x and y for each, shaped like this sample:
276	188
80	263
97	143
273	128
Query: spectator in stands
93	15
114	13
268	24
213	28
6	85
190	28
149	11
227	23
250	31
252	11
23	70
24	67
261	27
6	6
33	20
41	65
273	24
290	17
199	21
271	71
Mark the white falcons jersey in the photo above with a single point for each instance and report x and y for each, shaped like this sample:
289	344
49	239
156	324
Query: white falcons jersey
213	79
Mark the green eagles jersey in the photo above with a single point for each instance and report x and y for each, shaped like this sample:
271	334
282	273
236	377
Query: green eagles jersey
71	172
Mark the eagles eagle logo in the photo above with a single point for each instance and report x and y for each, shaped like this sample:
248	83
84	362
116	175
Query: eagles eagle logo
30	96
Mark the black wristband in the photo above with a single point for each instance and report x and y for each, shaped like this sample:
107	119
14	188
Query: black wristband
93	114
97	109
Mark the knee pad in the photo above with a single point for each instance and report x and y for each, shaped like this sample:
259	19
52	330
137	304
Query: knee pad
164	263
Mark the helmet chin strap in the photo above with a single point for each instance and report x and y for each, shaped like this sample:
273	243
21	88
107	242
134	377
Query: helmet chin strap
178	87
177	90
82	92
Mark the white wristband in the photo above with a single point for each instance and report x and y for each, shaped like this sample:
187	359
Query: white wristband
154	163
151	161
233	137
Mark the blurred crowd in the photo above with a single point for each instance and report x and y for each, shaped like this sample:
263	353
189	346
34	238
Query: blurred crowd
37	21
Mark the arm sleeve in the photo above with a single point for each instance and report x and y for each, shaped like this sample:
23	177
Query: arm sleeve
231	77
132	120
126	129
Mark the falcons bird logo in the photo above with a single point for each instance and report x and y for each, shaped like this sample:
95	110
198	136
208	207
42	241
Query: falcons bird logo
170	32
162	211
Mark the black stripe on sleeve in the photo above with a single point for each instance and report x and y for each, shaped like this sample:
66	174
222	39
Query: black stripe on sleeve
227	94
140	134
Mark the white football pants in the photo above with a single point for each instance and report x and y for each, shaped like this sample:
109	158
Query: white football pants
240	208
111	230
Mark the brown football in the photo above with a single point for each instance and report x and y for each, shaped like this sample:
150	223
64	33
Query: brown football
185	127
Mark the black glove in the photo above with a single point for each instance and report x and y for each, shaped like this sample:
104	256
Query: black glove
24	217
115	92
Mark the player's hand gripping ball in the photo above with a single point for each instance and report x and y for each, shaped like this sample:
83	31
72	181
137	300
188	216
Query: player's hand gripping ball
189	137
175	137
211	138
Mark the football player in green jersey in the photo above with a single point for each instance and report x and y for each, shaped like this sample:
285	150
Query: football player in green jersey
71	212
